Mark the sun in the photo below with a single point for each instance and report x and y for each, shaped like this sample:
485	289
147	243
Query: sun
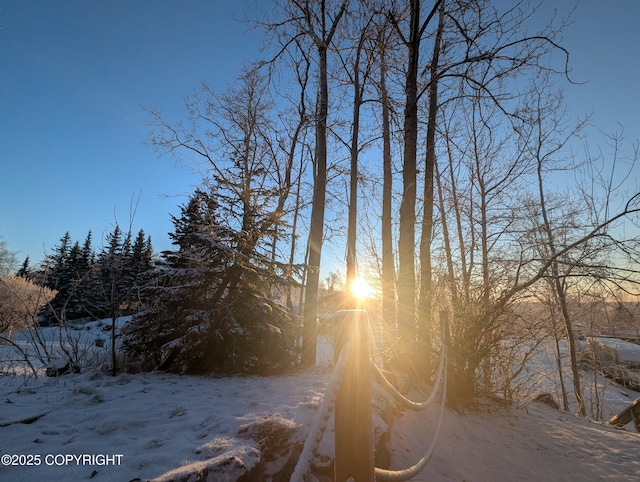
361	289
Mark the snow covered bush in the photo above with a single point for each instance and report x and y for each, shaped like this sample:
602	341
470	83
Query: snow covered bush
20	302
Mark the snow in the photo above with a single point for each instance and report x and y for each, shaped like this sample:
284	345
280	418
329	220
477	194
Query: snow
156	423
530	443
628	353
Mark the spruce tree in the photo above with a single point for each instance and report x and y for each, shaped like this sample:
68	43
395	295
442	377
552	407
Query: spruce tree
196	322
88	255
24	270
59	279
74	274
69	275
139	256
57	263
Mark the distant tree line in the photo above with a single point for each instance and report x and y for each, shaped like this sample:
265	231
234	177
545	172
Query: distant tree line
86	283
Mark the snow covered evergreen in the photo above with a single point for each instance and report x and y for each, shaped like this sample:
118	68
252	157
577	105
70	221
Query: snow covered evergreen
208	310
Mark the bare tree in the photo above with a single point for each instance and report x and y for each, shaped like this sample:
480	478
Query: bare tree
318	23
250	166
425	300
8	259
406	243
357	68
472	128
549	235
388	272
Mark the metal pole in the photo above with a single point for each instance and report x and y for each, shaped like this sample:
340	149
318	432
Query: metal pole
354	460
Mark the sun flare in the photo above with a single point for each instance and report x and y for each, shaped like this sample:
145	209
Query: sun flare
361	289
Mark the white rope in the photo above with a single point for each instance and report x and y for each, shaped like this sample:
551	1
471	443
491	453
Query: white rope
410	404
322	417
382	475
320	422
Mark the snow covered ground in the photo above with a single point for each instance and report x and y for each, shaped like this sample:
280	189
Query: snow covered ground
154	422
628	353
530	443
94	426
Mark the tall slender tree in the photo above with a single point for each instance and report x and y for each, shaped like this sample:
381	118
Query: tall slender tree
357	66
406	244
386	220
320	23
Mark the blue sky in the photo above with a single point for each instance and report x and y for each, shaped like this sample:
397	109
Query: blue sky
74	76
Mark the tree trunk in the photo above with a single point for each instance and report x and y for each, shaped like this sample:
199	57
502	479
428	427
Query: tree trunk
353	175
294	234
316	230
406	242
388	264
425	300
562	298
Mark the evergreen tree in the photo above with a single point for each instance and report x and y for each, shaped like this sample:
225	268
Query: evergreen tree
88	255
79	264
107	275
148	253
114	244
137	250
198	321
84	284
74	273
69	274
57	263
60	279
24	270
114	286
73	263
141	254
137	270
